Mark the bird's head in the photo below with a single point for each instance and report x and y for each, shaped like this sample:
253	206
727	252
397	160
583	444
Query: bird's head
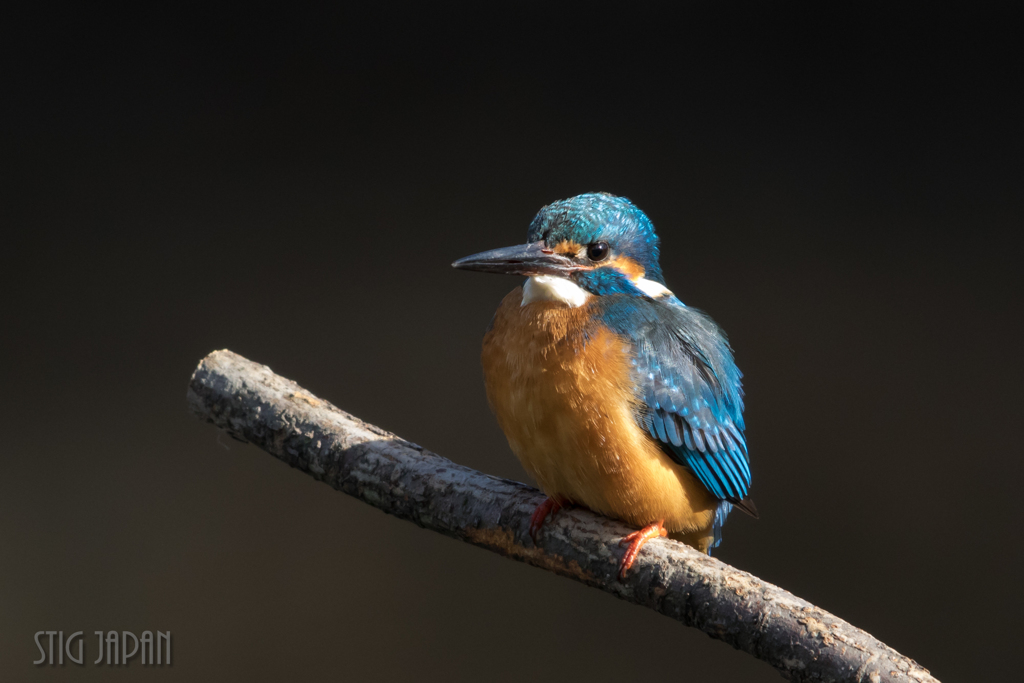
592	244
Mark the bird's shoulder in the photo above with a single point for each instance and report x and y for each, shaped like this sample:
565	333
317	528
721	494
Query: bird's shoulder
678	349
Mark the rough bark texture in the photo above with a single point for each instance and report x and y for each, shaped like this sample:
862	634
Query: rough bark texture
804	642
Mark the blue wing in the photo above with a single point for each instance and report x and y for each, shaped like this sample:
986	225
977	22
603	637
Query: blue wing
690	388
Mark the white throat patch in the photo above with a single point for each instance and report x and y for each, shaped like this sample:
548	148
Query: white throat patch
552	288
651	288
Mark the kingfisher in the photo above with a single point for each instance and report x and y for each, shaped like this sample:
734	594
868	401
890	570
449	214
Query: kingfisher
613	394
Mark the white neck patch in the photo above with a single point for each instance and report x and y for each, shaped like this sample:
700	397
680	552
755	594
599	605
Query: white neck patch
563	290
652	288
552	288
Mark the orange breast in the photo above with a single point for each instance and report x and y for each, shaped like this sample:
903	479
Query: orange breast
567	405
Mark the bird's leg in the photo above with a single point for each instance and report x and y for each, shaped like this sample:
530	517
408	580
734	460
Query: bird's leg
548	508
636	541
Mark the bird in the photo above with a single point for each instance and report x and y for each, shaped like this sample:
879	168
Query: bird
614	395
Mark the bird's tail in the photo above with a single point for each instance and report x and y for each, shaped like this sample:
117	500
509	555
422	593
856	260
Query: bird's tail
724	508
704	540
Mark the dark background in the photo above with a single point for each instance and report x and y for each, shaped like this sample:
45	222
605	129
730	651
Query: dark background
842	191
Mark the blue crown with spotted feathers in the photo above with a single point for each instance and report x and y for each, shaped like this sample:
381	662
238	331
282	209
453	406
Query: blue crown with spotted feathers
599	216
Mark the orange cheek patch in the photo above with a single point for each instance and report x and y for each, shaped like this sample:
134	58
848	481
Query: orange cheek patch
626	265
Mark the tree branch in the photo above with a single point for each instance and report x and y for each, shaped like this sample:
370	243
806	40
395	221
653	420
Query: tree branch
804	642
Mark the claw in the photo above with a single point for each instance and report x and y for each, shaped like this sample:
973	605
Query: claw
636	541
548	508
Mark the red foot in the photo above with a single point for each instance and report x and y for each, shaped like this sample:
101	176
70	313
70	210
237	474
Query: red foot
549	507
636	541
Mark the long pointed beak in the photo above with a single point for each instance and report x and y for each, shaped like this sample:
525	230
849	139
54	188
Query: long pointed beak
528	259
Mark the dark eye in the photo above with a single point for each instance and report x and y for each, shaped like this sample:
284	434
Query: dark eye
598	251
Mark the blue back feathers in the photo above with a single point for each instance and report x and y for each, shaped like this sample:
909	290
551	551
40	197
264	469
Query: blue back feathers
690	387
